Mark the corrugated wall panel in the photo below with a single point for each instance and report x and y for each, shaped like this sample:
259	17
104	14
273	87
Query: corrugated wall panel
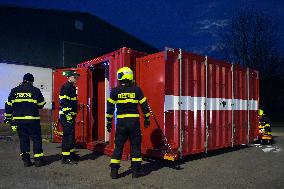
219	93
240	114
193	85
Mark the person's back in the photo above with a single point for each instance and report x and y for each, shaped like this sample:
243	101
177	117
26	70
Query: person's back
26	101
21	111
126	97
127	93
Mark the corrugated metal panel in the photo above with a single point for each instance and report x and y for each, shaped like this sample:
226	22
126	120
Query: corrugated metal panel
200	103
240	104
219	102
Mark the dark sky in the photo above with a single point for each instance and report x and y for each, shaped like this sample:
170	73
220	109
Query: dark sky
192	25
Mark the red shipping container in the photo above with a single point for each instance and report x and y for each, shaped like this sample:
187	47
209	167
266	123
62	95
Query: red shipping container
200	103
97	77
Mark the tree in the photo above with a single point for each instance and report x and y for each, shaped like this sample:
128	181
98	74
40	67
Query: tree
251	40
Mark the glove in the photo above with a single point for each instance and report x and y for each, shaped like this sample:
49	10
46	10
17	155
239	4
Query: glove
108	126
69	118
146	122
14	128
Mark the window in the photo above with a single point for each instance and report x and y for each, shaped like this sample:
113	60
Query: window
79	25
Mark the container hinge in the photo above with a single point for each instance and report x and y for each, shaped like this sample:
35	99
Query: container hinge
166	53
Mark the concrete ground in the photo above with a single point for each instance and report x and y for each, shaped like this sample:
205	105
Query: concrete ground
256	166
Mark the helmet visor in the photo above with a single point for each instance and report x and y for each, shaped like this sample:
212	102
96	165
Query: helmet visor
120	75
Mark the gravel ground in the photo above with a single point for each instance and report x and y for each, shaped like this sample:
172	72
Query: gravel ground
256	166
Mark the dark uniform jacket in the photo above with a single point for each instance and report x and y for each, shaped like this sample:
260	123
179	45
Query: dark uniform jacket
126	98
68	101
23	103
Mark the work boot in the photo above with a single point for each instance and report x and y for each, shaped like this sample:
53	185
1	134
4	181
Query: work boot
26	159
68	160
137	170
39	161
114	171
74	156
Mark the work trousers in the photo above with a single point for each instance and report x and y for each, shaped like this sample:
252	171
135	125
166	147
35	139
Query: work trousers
127	128
27	130
68	138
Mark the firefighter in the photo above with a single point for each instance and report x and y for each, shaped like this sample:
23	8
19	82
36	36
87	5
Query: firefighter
21	111
262	117
67	115
126	98
264	123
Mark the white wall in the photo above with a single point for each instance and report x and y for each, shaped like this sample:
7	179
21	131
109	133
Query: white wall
11	75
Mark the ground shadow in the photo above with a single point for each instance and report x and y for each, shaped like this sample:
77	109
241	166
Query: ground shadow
51	159
154	164
91	156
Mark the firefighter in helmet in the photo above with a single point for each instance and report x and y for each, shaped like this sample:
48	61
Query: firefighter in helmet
21	111
67	115
264	123
126	98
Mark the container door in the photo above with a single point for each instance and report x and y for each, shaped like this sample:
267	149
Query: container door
219	104
83	104
240	105
253	103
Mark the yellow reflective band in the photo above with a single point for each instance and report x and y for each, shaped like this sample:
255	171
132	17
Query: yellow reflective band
60	112
73	113
136	159
109	116
147	115
111	101
9	103
38	155
26	117
267	137
127	115
115	161
42	103
142	100
66	153
64	97
127	101
8	115
72	150
25	100
66	109
67	97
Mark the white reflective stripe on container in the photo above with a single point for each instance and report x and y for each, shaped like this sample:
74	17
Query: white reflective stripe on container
198	103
